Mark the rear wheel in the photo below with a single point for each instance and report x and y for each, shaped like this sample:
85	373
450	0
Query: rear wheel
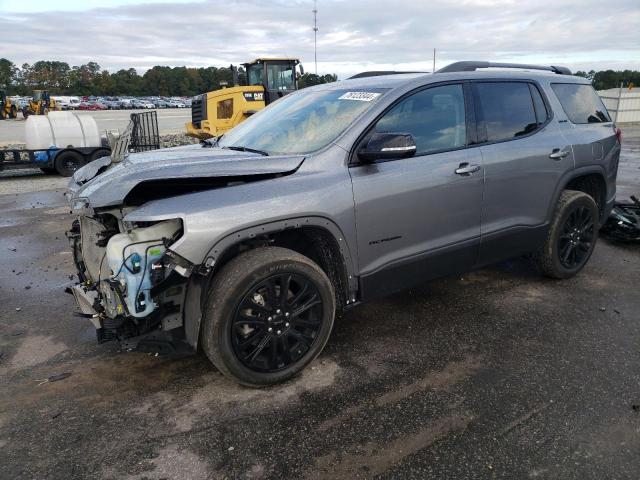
268	314
14	112
572	236
68	162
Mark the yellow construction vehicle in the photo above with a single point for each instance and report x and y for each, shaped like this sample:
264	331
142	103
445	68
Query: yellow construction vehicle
214	113
40	104
7	108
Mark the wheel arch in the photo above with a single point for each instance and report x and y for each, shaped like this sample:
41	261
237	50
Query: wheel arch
590	180
318	238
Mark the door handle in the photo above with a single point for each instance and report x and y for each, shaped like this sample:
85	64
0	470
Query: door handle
557	154
466	169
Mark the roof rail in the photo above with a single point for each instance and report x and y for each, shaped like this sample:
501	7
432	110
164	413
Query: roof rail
470	66
377	73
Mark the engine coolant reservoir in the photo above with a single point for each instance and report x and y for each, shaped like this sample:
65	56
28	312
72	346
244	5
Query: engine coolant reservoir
61	130
131	256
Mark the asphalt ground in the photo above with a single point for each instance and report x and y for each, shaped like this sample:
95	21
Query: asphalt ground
499	373
170	120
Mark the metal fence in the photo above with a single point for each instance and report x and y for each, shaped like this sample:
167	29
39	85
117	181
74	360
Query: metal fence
144	134
623	104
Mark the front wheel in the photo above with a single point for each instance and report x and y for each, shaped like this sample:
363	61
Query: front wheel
572	236
268	314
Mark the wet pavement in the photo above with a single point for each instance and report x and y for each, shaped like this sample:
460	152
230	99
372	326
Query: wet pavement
495	374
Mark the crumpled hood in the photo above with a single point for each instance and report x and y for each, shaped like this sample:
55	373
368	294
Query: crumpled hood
193	161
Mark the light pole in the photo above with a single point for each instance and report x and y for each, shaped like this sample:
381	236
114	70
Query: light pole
315	34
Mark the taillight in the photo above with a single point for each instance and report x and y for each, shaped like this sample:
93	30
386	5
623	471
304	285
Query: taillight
619	135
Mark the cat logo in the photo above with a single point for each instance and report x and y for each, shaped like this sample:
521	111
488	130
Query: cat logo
253	96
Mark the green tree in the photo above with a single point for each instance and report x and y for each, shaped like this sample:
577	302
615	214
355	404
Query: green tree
311	79
8	73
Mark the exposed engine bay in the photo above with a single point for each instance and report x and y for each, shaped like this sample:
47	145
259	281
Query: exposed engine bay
131	284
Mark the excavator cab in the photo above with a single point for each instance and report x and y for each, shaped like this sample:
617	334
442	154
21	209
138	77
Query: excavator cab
276	75
216	112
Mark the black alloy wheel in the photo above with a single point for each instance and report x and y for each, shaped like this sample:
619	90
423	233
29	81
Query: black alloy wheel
268	313
575	241
277	321
572	236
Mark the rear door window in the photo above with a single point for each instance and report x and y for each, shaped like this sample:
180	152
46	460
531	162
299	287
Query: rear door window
581	103
506	109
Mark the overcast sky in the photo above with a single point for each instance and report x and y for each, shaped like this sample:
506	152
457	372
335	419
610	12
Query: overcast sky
354	35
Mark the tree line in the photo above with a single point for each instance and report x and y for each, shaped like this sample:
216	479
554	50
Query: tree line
90	79
605	79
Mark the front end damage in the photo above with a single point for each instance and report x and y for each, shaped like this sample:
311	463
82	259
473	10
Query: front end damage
131	285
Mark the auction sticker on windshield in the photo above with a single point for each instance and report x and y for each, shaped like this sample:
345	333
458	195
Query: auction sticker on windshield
361	96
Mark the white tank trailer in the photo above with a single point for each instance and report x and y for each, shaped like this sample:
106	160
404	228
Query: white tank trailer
59	142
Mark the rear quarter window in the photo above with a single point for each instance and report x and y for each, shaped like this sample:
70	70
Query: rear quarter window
581	103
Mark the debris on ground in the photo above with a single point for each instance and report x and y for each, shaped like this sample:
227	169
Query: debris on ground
54	378
623	223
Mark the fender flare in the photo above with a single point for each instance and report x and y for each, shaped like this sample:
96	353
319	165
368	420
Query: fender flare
198	284
570	175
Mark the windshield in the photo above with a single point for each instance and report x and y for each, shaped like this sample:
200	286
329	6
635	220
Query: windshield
301	122
255	74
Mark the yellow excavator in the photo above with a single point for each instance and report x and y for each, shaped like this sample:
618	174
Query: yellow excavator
214	113
40	104
7	108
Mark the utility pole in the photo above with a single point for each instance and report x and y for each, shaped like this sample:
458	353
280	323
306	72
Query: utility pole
434	61
315	33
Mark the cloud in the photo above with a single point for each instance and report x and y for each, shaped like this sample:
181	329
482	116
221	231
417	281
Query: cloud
354	35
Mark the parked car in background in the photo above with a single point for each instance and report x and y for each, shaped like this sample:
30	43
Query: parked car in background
67	102
144	104
125	103
161	103
176	104
92	105
111	104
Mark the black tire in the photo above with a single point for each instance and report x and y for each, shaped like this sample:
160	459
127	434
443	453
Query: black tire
3	114
68	162
101	152
572	236
25	113
14	112
280	343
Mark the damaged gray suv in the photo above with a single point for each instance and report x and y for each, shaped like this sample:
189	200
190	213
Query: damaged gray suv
246	247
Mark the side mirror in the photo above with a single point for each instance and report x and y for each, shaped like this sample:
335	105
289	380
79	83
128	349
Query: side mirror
388	146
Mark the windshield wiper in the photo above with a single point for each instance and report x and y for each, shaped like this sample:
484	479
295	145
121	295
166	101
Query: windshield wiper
247	149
